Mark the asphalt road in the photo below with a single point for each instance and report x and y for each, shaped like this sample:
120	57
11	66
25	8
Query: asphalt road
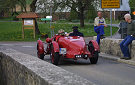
105	72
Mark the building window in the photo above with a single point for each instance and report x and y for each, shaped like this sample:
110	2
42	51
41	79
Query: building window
62	16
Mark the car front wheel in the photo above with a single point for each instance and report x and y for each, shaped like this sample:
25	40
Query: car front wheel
54	56
94	59
95	54
41	56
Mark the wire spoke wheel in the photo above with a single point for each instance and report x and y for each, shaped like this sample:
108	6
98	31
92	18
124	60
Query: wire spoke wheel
54	56
41	56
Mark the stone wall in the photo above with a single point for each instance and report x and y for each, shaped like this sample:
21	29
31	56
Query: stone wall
112	46
21	69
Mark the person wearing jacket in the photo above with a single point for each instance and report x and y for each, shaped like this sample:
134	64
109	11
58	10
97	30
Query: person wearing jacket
129	38
76	32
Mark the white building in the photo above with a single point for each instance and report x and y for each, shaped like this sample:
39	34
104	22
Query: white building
124	6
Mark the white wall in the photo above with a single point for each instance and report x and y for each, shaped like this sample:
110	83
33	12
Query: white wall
124	6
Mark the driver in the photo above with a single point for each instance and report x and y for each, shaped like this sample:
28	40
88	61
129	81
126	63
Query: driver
76	32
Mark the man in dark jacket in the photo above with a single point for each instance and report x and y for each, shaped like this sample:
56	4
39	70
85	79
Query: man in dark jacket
130	37
76	32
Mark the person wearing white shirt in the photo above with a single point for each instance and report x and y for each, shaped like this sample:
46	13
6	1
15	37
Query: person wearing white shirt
99	25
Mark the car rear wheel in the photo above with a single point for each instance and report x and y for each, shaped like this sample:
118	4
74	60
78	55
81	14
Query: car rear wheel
55	57
95	54
41	56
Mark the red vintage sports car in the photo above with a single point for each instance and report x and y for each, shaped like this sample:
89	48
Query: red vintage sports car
69	47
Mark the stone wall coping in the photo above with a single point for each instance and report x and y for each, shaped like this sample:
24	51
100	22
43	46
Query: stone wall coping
51	74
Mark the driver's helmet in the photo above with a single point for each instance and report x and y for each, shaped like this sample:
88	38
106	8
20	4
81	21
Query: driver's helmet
61	32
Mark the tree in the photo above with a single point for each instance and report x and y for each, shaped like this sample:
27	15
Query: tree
33	8
33	5
22	3
79	6
73	15
132	7
132	4
11	4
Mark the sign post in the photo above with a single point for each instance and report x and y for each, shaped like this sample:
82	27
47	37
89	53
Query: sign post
110	4
49	18
28	22
111	22
52	30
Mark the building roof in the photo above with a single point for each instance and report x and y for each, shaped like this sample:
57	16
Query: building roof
28	15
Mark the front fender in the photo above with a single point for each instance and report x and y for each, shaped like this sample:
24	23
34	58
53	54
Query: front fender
95	44
40	47
55	46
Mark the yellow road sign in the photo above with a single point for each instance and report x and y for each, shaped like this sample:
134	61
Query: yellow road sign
110	3
52	27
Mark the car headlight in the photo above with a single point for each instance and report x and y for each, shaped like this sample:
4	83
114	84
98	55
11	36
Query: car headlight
86	56
78	56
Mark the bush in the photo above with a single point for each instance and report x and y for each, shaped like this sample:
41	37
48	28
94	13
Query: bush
75	21
15	19
62	21
73	15
91	21
14	16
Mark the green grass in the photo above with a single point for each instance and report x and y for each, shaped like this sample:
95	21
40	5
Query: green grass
12	31
113	21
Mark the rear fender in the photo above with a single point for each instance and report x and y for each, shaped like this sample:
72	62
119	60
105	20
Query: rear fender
40	47
95	44
55	46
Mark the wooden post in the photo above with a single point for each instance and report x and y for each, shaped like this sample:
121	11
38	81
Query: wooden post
34	29
28	27
23	28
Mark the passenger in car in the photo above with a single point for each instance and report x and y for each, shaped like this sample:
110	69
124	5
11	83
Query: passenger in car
61	32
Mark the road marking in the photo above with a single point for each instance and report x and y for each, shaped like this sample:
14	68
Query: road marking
28	46
7	44
14	45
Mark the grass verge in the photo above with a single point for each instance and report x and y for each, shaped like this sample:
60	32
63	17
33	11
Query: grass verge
12	31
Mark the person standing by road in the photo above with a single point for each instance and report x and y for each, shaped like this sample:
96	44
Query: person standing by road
130	37
99	25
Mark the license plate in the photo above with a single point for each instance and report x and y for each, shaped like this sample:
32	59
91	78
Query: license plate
63	50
